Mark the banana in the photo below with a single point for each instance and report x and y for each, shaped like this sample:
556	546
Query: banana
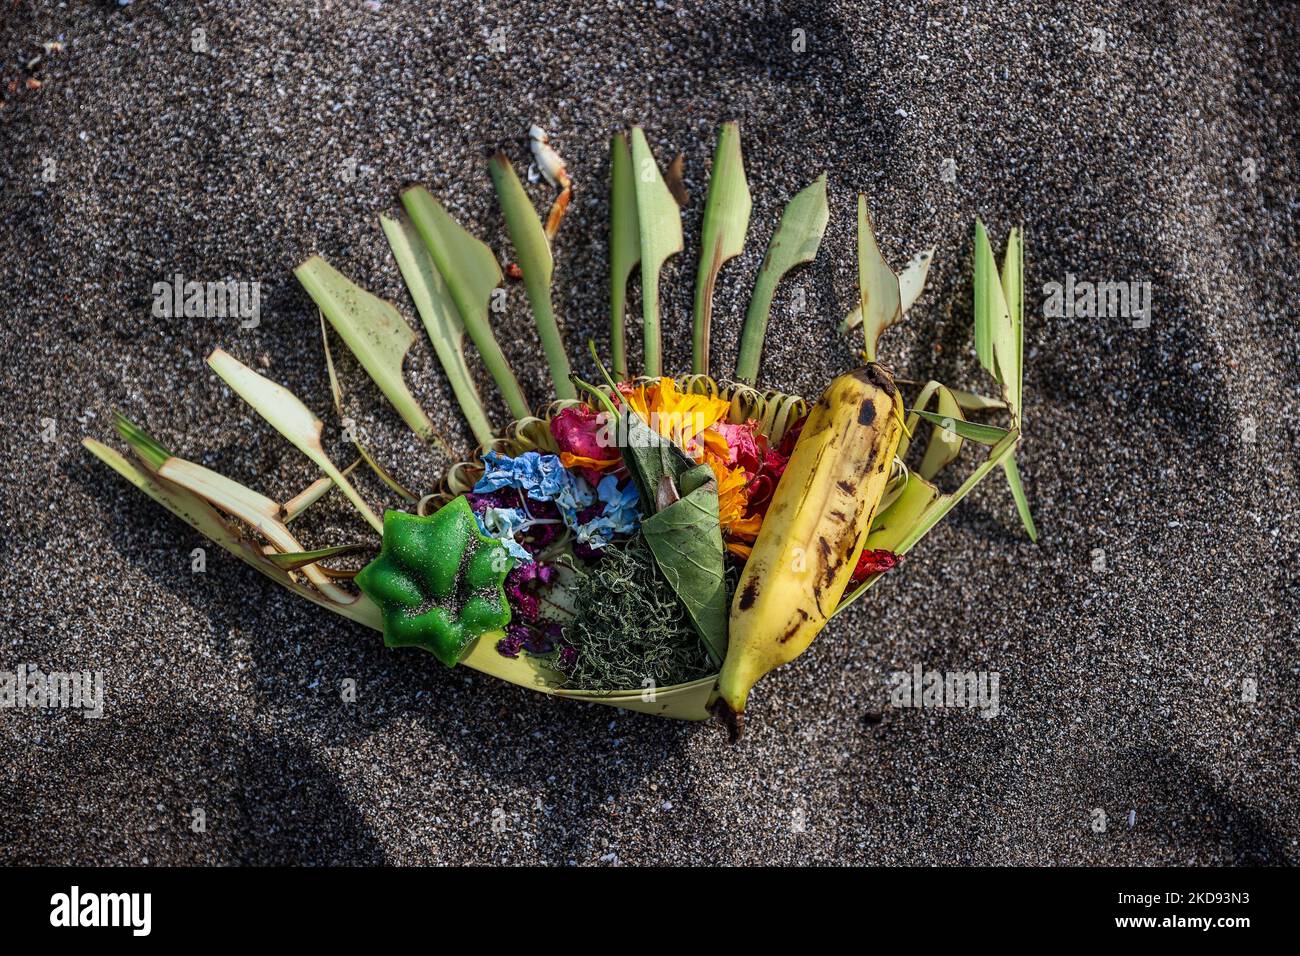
813	532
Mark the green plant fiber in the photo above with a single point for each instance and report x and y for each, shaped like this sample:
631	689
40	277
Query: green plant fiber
629	628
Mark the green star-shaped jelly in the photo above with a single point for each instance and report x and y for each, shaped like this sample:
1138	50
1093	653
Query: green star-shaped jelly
439	581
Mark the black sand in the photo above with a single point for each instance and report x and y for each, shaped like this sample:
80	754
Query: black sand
1168	156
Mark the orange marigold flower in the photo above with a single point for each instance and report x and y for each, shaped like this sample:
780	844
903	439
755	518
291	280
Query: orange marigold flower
582	463
740	550
697	424
733	497
679	416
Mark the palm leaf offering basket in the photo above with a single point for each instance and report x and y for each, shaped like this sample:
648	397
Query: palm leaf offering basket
652	542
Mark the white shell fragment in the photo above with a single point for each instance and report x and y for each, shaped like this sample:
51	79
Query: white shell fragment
548	160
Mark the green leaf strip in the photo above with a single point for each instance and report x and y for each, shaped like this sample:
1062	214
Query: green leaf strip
624	247
534	254
659	222
726	219
441	319
975	431
472	275
373	330
880	298
797	238
292	561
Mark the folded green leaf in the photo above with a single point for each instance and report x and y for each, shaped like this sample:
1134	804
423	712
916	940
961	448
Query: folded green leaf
441	319
726	218
796	240
686	540
975	431
534	254
910	425
292	561
145	446
659	221
471	273
892	526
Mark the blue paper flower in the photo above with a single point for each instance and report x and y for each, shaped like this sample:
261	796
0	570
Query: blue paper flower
573	497
503	524
498	473
540	477
622	505
595	534
544	478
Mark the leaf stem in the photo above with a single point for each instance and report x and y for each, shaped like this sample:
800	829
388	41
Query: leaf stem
534	253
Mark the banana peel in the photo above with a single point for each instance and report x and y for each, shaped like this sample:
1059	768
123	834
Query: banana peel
815	529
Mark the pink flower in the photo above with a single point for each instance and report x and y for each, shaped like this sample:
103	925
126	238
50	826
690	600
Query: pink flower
743	444
576	430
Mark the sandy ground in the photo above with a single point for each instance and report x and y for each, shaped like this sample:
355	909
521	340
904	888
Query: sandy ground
1162	149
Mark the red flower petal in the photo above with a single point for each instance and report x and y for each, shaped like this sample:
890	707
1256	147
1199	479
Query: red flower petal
875	562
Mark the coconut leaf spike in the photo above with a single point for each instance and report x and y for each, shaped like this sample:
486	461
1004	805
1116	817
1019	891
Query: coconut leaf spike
624	246
290	417
994	334
726	219
797	238
880	297
1013	293
373	330
472	275
999	339
534	253
441	319
659	223
1013	290
911	283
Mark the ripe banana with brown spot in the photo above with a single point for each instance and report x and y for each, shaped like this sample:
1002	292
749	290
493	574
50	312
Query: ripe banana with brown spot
814	530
